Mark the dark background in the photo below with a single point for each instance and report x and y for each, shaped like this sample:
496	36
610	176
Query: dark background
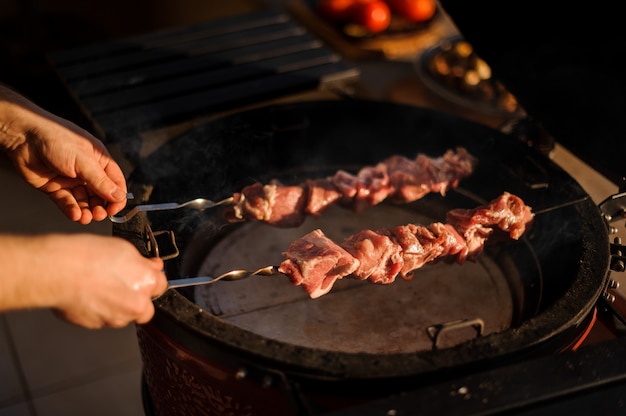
30	29
562	60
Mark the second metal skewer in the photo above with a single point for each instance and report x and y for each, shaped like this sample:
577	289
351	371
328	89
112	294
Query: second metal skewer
198	203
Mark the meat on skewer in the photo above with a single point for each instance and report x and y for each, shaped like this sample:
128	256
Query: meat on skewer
315	262
397	178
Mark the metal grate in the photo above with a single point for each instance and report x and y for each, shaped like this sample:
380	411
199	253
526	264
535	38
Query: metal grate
154	80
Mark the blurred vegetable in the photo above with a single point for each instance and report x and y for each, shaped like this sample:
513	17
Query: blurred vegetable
415	10
373	15
337	10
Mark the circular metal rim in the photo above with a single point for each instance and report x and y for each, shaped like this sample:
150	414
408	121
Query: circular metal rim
191	326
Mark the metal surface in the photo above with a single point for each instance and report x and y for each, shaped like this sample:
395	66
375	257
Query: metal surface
197	203
614	207
437	296
588	381
157	79
282	139
228	276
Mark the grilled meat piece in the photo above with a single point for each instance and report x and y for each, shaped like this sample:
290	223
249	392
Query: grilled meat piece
275	204
398	178
380	258
316	262
507	212
322	194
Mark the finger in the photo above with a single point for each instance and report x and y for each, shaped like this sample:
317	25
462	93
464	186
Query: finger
157	263
81	319
115	207
81	195
80	204
98	208
66	202
115	173
160	286
99	213
147	314
118	322
110	188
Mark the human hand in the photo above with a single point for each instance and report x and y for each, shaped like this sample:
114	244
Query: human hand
102	281
61	159
113	284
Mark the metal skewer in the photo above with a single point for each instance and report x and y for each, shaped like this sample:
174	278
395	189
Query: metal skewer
562	205
198	203
228	276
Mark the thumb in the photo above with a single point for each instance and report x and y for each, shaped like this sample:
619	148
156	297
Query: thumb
108	182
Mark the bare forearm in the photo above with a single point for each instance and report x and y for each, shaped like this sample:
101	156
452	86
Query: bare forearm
91	280
28	275
13	123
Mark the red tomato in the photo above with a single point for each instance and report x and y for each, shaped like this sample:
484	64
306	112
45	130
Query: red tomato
415	10
373	15
337	10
